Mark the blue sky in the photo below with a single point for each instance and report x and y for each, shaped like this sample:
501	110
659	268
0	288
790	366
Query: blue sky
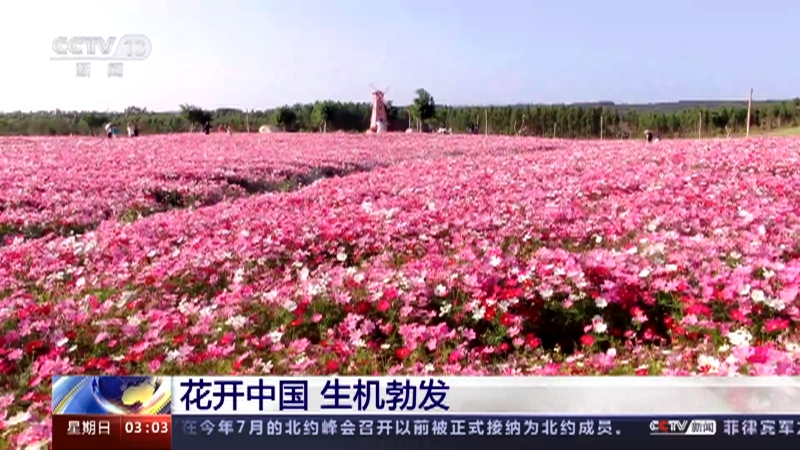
265	53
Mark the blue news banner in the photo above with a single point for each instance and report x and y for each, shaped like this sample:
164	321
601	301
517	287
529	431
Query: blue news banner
220	414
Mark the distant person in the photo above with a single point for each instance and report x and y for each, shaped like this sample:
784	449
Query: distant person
110	130
135	130
130	129
207	128
648	136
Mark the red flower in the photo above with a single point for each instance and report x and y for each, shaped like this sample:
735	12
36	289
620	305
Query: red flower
228	338
738	315
776	325
587	340
402	353
383	305
759	356
454	357
33	346
362	308
390	294
490	312
532	341
507	319
332	366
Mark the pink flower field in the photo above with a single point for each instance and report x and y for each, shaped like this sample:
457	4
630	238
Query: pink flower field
392	254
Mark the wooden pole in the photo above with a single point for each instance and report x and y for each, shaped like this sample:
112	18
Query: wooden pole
700	126
486	120
749	108
247	120
554	129
601	128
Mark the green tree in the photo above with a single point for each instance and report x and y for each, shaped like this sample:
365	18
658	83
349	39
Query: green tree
321	114
94	121
285	118
423	108
195	115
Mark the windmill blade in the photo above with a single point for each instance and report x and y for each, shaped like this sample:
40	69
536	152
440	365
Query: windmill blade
373	87
387	89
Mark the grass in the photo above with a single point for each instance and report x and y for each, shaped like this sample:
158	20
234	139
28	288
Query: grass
793	131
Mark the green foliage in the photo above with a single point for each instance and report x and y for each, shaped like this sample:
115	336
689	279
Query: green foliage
582	121
285	118
322	113
195	115
424	108
93	121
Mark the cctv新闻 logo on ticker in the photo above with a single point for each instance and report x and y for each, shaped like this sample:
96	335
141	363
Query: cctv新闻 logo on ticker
130	47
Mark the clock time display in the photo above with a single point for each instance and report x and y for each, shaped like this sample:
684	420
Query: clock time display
147	432
147	427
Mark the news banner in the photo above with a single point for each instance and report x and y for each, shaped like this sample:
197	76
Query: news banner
464	413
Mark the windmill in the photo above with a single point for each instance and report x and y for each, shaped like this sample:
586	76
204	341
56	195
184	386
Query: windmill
379	121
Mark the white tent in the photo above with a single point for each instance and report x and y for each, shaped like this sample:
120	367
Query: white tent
268	129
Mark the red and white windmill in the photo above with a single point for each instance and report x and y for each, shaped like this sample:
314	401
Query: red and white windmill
379	122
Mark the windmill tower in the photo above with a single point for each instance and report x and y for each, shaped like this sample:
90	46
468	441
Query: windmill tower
379	122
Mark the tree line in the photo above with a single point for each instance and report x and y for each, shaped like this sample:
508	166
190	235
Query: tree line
563	121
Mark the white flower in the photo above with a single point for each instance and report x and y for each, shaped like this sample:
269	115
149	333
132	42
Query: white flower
758	296
479	313
238	276
445	309
745	290
440	290
598	325
495	261
236	322
21	417
708	361
644	273
275	336
775	303
172	355
739	338
290	305
601	302
671	267
341	256
612	352
358	278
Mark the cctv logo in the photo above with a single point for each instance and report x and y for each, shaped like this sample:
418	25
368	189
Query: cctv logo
131	47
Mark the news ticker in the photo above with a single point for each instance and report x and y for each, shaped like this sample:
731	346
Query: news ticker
433	395
154	412
462	432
